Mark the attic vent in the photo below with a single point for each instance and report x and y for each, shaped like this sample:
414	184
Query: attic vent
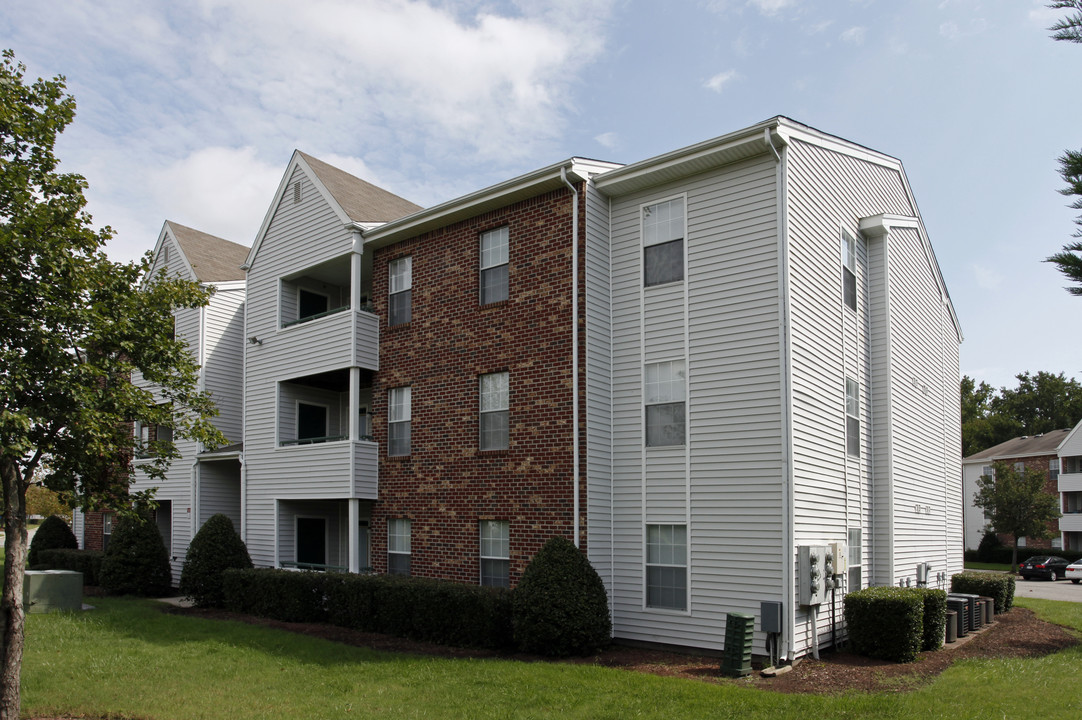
165	255
297	192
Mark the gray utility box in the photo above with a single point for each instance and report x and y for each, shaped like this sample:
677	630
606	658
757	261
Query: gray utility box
51	590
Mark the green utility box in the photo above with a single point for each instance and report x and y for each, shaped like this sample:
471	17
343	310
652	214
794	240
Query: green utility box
739	634
51	590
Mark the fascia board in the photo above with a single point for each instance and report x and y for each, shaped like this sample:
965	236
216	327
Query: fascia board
500	195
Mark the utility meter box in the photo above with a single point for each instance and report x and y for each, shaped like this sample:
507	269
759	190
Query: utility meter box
770	616
841	557
51	590
814	569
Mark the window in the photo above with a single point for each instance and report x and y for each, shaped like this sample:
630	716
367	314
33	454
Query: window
494	413
310	548
106	529
146	434
1073	502
1020	467
663	242
399	401
495	553
852	418
667	567
1021	542
399	288
494	244
664	399
1053	469
849	270
855	558
311	421
1057	543
398	547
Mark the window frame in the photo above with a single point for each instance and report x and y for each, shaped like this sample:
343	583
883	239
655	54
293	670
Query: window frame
655	242
400	291
399	428
403	557
849	270
678	556
487	560
489	414
663	398
487	269
297	421
314	293
852	418
855	546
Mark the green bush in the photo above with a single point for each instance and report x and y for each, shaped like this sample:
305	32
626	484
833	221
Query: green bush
998	586
560	607
88	562
286	595
214	549
934	619
885	622
988	548
418	608
53	534
136	561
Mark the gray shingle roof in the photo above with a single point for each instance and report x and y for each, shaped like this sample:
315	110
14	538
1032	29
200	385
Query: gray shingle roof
212	258
362	201
1045	444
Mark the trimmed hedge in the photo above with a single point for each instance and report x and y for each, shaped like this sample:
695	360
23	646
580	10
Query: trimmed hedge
885	622
418	608
53	534
136	561
88	562
560	605
214	549
277	594
998	586
934	619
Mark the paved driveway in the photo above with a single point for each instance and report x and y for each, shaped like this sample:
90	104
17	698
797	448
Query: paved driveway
1048	590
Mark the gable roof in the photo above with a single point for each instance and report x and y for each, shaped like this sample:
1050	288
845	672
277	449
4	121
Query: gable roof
355	201
362	201
1044	444
211	258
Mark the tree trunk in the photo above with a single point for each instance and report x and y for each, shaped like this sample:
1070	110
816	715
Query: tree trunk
11	604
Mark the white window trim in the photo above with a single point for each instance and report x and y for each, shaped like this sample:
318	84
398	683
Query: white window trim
409	540
851	242
481	412
297	415
481	550
326	535
686	612
643	244
506	230
687	425
408	419
408	260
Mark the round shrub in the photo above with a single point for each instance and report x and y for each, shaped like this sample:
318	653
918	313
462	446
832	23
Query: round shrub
52	534
987	550
559	607
136	561
215	548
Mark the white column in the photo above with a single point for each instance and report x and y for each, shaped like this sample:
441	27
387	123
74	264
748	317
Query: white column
354	535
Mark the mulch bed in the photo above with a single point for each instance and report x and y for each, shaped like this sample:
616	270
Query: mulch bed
1017	633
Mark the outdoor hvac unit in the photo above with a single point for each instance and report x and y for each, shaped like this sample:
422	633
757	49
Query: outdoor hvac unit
50	590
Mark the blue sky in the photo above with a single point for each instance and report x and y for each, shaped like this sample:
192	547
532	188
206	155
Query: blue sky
189	111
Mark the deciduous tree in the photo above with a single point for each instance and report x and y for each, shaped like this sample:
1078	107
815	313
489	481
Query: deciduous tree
1016	503
73	327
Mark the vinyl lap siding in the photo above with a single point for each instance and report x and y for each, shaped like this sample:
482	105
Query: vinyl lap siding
298	236
723	320
223	360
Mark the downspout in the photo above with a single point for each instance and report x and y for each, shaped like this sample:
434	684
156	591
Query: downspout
786	650
574	344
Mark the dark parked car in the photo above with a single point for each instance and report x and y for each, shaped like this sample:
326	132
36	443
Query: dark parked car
1044	566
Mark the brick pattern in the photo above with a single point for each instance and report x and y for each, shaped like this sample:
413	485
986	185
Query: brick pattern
1051	487
446	485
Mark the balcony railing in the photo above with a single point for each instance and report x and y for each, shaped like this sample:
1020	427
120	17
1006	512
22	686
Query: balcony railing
309	318
314	440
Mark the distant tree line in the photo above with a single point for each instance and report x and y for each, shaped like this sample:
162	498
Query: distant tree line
1040	403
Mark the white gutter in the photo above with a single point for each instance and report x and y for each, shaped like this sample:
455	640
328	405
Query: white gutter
574	343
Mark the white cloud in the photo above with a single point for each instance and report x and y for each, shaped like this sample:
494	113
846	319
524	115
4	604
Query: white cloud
607	140
986	277
772	7
717	82
952	31
854	35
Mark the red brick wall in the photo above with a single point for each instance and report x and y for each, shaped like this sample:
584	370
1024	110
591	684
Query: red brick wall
1051	487
446	485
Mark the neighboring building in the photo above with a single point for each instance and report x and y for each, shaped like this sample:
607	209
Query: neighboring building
1037	452
197	485
695	367
1069	485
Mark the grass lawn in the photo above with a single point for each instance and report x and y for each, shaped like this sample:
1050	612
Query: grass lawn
129	659
988	566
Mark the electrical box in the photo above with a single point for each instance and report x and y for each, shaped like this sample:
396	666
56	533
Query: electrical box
923	570
841	557
815	566
770	616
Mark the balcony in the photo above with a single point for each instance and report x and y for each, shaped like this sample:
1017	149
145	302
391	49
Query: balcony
1071	522
340	338
335	469
1070	482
